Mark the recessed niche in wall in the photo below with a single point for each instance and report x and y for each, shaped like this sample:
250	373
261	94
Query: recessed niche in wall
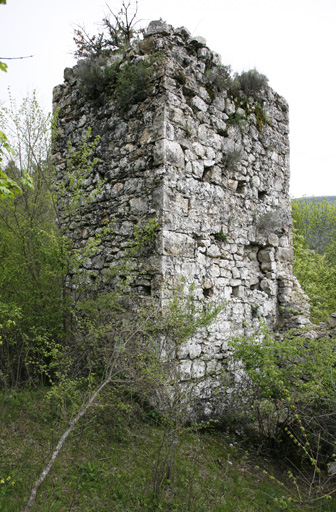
255	286
208	292
241	187
235	291
144	290
147	290
262	194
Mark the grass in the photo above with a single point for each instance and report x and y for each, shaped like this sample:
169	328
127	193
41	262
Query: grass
121	459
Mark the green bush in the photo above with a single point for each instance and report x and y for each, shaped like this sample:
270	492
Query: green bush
315	254
96	77
126	82
250	82
286	383
133	83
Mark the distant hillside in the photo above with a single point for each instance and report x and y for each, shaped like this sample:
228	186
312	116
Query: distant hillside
317	199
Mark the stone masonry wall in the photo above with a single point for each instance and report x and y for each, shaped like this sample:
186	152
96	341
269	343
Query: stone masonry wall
216	177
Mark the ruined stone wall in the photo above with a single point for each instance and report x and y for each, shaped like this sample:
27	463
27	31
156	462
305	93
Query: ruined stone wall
214	174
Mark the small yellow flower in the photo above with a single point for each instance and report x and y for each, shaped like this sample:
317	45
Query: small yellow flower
13	483
8	478
2	482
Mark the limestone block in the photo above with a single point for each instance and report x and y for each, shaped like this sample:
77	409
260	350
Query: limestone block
273	240
199	104
332	321
233	184
266	255
198	41
269	266
185	370
209	349
178	244
194	349
268	287
213	251
214	271
203	134
230	107
138	205
213	366
198	369
219	103
158	27
284	254
199	149
174	153
236	273
235	282
198	168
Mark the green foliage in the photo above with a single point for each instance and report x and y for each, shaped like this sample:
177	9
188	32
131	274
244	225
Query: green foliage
113	462
244	89
315	253
315	220
96	77
220	236
317	278
250	82
8	187
285	393
220	78
72	195
127	82
30	250
133	82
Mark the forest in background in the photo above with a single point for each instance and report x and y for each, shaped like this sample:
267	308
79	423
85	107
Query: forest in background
314	221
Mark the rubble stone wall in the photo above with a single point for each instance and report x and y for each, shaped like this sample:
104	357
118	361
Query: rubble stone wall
215	175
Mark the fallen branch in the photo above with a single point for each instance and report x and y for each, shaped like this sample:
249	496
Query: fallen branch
60	443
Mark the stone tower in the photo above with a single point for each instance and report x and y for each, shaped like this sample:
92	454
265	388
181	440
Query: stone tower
213	168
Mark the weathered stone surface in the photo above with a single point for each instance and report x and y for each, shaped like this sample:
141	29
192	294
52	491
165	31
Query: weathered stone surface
224	224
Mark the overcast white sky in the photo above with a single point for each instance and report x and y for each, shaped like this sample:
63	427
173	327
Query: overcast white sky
293	42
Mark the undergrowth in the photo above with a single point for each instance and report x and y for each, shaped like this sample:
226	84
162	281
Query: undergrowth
112	462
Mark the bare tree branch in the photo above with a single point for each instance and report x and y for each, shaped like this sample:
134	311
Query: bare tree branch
17	58
60	443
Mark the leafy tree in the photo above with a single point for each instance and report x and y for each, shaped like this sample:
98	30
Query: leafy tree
8	187
30	248
317	277
315	253
315	220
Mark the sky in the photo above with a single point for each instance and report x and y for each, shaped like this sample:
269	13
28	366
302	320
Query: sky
292	42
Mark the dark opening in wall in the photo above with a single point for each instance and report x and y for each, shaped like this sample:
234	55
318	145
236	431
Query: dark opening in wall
147	290
235	291
255	286
241	187
144	290
262	194
208	292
